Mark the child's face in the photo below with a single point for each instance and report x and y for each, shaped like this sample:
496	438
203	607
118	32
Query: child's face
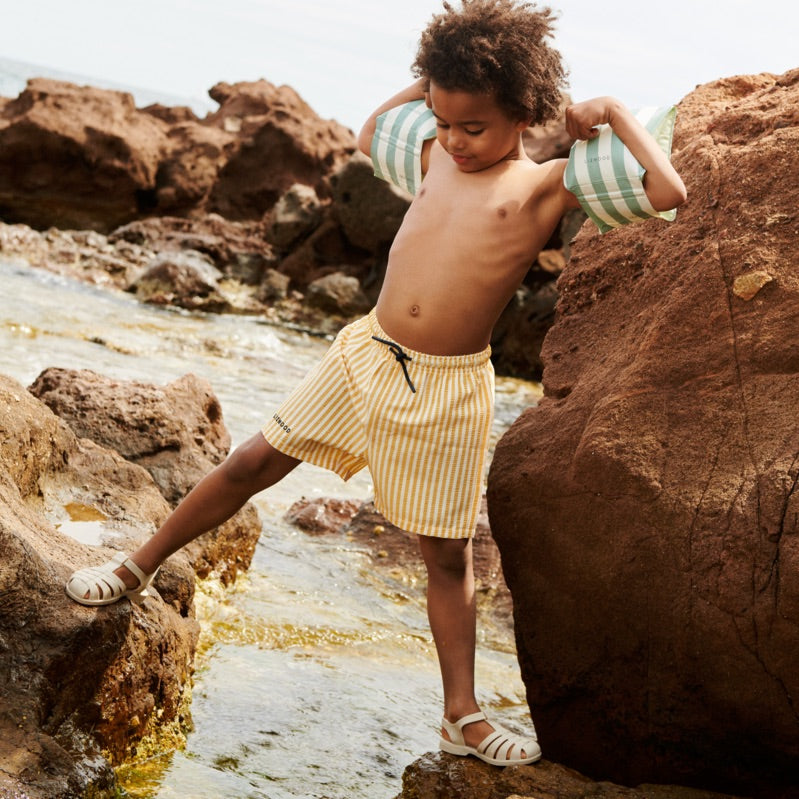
474	130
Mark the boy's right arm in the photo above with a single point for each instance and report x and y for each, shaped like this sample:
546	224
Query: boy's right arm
416	91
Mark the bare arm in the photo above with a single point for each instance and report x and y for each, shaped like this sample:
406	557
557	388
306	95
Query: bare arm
663	186
416	91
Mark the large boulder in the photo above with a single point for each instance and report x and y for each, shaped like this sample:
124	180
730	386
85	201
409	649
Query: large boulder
80	688
80	157
175	432
647	510
280	141
77	157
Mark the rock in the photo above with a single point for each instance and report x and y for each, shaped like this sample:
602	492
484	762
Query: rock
338	293
274	286
442	776
186	279
370	211
323	516
176	433
295	215
280	142
193	156
74	679
77	157
237	249
324	251
80	254
646	510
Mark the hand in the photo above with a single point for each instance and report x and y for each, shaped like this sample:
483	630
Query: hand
582	118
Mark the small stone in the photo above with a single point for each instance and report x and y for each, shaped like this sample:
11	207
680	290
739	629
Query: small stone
746	286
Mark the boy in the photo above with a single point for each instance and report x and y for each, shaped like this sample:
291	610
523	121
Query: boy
408	389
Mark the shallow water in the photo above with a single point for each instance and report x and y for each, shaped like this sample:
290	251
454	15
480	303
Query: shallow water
317	675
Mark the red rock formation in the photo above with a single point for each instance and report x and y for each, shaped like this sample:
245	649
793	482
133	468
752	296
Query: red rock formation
80	157
280	141
77	157
646	510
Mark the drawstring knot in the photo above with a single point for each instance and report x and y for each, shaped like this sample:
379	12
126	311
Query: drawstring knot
401	357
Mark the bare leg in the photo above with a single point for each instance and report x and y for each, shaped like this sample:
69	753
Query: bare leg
250	468
451	610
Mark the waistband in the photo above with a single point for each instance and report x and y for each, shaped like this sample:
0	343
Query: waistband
468	361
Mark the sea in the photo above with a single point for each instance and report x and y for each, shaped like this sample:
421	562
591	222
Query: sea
15	74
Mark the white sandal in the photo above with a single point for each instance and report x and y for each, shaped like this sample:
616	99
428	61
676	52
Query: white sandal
496	748
104	587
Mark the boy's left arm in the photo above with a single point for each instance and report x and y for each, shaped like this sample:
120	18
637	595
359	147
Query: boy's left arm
662	184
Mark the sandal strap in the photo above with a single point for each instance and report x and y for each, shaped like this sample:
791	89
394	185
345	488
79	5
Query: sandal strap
455	728
136	571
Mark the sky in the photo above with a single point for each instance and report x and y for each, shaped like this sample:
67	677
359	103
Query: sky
344	57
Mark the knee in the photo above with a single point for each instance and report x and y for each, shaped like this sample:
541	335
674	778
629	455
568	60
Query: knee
446	555
257	463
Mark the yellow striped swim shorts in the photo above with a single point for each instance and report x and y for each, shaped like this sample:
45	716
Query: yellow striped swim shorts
419	422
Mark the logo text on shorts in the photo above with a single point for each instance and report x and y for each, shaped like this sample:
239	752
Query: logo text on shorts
282	423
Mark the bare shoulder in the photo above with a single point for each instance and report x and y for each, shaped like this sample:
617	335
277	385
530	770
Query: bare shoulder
544	183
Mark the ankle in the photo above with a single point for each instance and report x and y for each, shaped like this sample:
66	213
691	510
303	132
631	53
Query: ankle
455	712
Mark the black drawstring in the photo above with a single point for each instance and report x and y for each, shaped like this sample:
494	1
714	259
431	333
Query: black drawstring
400	355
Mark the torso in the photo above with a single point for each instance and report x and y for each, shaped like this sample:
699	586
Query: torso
463	248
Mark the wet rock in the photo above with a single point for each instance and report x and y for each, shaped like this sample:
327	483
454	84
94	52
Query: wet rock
175	432
646	509
442	776
184	279
274	286
323	516
238	250
72	678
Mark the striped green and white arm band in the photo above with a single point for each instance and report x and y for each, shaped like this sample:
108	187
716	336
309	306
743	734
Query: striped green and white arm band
397	144
607	180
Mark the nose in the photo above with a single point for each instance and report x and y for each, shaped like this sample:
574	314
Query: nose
455	141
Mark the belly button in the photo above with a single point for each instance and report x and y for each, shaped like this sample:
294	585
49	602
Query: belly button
414	310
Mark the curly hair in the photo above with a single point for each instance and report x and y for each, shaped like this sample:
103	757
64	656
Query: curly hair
496	47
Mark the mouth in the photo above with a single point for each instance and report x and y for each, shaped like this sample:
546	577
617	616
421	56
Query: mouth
460	160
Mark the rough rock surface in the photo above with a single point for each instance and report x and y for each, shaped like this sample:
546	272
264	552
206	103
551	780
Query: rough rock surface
280	142
176	432
79	687
442	776
79	157
76	157
647	510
